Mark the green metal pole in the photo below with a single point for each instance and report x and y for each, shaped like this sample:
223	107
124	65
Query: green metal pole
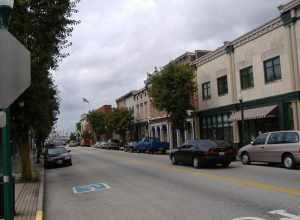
7	171
5	11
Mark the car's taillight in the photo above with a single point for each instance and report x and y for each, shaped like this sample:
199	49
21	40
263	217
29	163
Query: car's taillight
212	151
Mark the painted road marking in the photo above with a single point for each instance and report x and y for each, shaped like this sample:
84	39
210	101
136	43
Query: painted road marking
283	213
95	187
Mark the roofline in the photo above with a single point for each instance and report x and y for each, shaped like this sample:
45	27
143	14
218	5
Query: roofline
126	95
288	6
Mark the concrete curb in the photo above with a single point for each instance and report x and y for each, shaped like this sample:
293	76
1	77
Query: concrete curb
40	206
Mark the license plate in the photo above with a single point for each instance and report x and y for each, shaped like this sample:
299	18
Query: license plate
59	162
221	153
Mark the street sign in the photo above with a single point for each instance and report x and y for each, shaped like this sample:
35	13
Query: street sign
95	187
15	76
2	119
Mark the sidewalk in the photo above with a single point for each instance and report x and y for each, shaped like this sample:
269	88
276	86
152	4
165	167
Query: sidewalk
29	197
26	200
26	196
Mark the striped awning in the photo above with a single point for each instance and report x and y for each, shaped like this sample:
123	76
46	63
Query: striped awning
254	113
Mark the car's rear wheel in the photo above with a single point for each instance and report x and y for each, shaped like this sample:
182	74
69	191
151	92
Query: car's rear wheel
245	158
173	160
196	163
288	161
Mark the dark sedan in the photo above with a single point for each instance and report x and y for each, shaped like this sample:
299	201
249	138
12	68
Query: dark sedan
203	152
57	156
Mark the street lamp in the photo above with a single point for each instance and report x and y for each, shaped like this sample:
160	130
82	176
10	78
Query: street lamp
242	120
6	7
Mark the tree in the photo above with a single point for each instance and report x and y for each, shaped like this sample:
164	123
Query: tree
73	136
78	130
98	122
172	89
44	28
122	121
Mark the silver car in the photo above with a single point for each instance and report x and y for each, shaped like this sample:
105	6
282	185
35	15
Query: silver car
273	147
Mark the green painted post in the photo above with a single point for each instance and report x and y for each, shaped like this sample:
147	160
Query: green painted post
5	10
7	171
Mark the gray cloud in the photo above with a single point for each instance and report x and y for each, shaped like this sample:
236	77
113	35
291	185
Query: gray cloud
119	41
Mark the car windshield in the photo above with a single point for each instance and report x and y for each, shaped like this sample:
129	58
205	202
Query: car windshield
55	151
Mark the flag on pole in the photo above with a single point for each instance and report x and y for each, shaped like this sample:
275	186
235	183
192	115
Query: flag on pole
85	100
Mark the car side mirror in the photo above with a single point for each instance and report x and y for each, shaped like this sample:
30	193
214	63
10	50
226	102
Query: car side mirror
69	151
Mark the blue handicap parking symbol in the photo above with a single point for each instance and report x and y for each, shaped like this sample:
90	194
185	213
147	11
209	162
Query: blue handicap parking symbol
95	187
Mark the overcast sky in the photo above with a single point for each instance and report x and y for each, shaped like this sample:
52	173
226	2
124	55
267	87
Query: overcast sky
119	41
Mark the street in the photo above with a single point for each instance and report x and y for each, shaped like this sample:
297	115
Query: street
148	187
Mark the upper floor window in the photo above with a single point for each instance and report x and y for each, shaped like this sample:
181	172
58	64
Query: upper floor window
222	85
272	69
206	92
246	78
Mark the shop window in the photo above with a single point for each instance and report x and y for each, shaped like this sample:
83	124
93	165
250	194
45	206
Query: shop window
272	69
246	78
206	91
222	85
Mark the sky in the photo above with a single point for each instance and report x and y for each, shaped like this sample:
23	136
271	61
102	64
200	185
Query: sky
119	41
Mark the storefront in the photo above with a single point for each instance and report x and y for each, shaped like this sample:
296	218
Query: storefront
141	130
257	116
216	126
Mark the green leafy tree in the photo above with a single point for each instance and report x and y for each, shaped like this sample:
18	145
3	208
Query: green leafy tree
78	130
98	122
122	121
44	27
73	136
172	89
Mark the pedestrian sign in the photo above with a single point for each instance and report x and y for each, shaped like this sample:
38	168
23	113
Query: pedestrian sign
95	187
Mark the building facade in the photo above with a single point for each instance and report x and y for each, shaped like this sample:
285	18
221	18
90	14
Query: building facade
252	84
149	121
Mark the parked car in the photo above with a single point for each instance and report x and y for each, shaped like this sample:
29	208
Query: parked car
151	145
113	145
74	144
202	152
97	144
273	147
130	146
57	155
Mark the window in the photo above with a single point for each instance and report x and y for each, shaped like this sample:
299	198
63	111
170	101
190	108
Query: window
206	94
276	138
261	139
272	69
246	78
290	137
222	85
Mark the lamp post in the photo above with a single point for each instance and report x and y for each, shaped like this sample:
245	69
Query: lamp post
6	7
242	121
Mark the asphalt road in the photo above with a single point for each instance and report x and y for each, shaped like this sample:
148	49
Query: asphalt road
148	187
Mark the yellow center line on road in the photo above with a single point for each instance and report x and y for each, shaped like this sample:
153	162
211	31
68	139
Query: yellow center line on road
227	179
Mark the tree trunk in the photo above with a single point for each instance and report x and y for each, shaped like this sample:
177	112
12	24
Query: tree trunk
39	146
26	161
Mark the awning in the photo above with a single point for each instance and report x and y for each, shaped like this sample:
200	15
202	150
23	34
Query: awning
254	113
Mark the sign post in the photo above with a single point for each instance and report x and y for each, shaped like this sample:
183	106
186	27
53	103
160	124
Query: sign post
14	80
